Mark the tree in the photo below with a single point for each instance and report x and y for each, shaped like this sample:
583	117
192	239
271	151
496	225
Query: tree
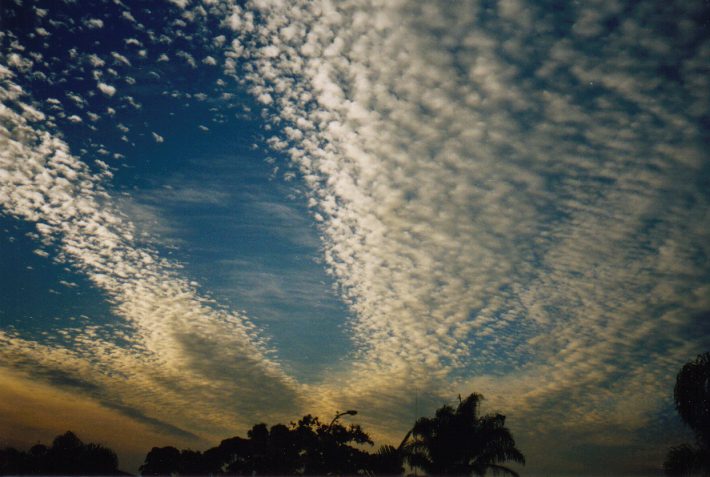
682	460
388	460
460	442
98	460
161	461
267	451
327	449
692	401
307	447
68	455
692	397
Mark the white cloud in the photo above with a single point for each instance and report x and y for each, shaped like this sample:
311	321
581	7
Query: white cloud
120	58
94	23
180	3
187	57
107	89
475	218
503	209
18	62
128	16
170	333
157	137
95	60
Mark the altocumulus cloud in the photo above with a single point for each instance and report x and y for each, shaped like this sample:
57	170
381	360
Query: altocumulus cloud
172	340
512	199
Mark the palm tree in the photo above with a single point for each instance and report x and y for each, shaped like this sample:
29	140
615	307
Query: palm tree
388	460
460	442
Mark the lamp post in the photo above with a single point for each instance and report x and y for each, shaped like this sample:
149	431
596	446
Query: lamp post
338	415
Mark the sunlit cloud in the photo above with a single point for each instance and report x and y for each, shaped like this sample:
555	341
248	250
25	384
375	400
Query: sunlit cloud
510	199
171	339
483	215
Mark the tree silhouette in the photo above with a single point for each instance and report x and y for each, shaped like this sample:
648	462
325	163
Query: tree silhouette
460	442
161	461
307	447
692	396
388	460
68	455
692	401
327	448
272	451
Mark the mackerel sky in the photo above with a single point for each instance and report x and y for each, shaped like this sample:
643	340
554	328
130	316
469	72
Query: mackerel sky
216	213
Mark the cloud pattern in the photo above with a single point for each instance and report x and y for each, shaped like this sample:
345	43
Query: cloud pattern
171	339
512	198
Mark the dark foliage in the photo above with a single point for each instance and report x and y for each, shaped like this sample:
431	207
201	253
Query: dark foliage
692	397
683	460
67	456
456	441
388	460
307	447
460	442
692	401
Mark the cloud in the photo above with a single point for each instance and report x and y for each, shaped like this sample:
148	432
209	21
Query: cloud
120	58
95	60
158	138
128	16
180	3
94	23
162	350
27	402
493	207
107	89
510	200
187	57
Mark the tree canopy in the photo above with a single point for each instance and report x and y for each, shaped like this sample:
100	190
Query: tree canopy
308	447
692	401
455	441
461	442
68	455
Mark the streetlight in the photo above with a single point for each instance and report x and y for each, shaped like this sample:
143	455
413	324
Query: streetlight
338	415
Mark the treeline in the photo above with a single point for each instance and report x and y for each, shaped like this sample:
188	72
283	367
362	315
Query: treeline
456	441
67	456
307	447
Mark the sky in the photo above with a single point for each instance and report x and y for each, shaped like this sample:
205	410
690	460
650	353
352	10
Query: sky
215	213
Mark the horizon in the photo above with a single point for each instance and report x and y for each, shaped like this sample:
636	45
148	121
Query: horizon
215	213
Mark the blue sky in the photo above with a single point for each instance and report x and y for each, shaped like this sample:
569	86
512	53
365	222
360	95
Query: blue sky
216	213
